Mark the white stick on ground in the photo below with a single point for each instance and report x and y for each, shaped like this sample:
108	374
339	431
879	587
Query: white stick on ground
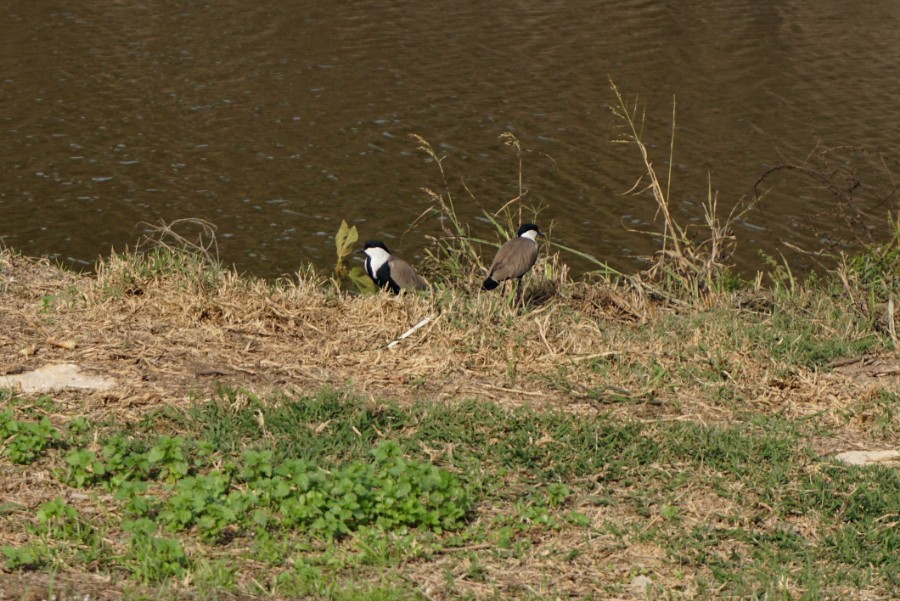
892	329
410	331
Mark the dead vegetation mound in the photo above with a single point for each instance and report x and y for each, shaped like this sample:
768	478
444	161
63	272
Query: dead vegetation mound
168	328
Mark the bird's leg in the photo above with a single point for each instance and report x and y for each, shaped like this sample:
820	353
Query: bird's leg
510	298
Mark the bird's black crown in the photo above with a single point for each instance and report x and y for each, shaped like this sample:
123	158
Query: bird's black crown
375	244
527	227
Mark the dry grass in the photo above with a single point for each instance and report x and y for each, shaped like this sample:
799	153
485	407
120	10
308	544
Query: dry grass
591	346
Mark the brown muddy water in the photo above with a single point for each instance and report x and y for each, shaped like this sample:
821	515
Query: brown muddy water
275	120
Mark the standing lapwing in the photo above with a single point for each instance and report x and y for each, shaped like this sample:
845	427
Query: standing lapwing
388	271
514	258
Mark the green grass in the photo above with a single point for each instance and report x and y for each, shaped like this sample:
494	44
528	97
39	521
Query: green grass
325	506
25	440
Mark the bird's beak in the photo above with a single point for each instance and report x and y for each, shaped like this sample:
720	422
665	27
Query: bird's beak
541	234
359	251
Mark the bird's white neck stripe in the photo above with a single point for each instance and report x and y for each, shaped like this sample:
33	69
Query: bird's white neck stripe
530	234
377	258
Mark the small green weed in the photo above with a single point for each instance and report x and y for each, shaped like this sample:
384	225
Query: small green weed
62	535
57	519
345	241
389	492
27	557
84	469
386	490
152	559
25	441
168	458
127	459
60	521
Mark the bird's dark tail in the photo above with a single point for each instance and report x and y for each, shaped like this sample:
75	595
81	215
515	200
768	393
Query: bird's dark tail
490	284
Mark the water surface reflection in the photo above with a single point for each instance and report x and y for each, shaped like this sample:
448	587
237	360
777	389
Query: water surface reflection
275	121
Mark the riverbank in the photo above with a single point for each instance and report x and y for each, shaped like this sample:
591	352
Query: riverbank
600	439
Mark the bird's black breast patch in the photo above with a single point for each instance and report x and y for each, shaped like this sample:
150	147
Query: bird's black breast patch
383	278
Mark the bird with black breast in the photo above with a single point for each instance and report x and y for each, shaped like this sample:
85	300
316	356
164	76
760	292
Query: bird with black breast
388	271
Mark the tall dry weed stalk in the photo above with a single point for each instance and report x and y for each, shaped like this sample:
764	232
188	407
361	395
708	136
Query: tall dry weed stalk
173	237
689	261
456	253
454	250
871	280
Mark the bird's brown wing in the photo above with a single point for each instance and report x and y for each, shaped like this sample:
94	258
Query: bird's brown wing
405	276
513	259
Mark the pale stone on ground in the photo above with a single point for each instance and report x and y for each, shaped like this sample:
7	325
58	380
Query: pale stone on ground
56	377
890	456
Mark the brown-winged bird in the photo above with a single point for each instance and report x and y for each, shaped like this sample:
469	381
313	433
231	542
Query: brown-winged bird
514	258
388	271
